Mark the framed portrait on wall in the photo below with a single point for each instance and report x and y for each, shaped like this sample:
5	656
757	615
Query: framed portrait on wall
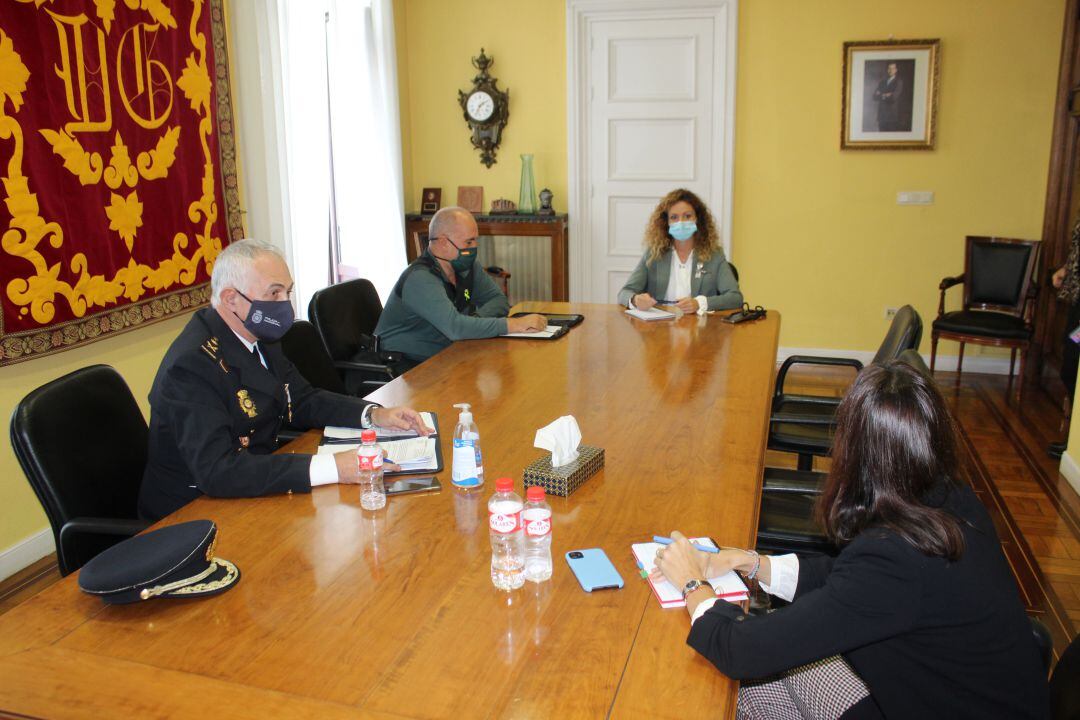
890	94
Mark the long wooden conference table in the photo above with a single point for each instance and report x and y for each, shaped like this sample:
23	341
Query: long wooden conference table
342	612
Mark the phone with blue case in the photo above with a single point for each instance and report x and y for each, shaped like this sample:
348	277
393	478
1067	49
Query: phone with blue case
593	569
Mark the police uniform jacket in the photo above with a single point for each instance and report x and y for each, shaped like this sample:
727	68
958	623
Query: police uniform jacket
215	413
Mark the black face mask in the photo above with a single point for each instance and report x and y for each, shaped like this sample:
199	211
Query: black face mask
267	320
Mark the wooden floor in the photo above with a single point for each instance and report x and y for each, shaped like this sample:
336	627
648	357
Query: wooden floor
1003	446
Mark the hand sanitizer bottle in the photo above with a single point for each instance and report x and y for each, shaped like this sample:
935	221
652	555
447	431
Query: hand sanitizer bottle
468	469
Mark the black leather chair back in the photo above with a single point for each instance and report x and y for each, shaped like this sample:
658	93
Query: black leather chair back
82	442
345	316
304	348
997	272
1065	684
905	333
914	359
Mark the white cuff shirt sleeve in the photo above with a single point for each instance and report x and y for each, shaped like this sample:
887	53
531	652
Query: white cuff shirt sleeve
365	418
785	576
703	606
702	304
323	470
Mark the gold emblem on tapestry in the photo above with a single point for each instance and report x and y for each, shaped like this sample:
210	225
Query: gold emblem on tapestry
90	75
246	403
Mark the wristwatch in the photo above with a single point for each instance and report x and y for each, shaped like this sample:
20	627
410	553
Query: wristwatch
693	585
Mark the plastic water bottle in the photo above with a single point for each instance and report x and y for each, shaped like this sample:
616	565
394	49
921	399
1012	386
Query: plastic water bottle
369	457
468	461
507	537
537	520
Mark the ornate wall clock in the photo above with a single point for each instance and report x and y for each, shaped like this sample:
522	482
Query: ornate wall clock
486	108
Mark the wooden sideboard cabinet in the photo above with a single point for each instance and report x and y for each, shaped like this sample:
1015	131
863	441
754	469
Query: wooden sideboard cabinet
540	226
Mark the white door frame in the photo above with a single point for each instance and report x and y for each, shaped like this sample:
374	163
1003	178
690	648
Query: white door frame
579	14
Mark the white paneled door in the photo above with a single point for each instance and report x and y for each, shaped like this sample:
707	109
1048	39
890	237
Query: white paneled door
651	109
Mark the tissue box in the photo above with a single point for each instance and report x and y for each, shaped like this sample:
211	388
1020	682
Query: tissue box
564	480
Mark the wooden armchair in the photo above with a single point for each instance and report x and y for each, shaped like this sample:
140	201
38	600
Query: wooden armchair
999	290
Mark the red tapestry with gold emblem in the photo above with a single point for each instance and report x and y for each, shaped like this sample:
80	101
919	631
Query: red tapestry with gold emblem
117	164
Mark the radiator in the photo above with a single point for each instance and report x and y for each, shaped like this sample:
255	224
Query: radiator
527	259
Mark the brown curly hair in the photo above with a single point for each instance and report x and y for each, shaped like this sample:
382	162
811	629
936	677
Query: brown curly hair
657	239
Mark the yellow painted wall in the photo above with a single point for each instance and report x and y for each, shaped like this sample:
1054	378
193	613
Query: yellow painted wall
135	355
528	42
817	232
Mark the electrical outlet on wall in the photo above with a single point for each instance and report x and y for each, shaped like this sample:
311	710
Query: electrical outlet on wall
890	312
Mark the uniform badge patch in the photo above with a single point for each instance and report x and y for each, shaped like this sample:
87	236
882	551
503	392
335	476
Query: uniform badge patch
246	403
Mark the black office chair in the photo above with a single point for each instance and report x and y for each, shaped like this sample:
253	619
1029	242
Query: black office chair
803	424
345	316
305	349
82	442
1065	684
787	521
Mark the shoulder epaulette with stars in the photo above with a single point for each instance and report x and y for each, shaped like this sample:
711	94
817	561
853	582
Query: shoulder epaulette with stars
210	347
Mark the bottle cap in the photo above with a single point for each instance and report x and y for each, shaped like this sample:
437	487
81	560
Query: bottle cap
535	494
504	485
466	415
367	436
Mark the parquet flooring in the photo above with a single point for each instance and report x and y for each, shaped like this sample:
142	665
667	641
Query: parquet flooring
1036	511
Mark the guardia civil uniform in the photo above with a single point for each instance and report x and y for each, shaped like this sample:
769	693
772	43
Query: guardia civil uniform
215	413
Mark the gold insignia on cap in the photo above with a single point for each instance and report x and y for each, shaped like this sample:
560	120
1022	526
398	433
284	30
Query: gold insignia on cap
210	549
246	403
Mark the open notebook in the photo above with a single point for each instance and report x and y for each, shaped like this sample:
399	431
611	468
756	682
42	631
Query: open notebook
728	587
653	313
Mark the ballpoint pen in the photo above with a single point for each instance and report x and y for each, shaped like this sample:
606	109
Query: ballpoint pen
668	541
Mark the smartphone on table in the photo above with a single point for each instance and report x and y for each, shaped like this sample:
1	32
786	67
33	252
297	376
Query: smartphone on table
405	485
593	569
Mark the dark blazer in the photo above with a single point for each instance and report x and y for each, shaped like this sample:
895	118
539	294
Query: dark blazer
713	279
215	413
931	638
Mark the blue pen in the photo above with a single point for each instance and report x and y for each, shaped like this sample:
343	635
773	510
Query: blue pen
668	541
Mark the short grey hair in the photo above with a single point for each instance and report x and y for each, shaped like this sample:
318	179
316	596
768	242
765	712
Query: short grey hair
234	262
445	219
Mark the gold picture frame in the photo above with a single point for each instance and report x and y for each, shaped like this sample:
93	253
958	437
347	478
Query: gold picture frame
890	94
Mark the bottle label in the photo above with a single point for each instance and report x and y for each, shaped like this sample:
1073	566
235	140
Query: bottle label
370	462
537	523
465	465
538	528
505	523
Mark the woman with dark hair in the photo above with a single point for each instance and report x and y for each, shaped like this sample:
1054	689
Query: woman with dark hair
683	264
918	616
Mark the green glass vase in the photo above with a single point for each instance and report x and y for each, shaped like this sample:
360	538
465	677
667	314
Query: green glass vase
527	196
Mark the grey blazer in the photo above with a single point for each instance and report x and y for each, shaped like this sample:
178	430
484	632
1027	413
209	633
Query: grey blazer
713	279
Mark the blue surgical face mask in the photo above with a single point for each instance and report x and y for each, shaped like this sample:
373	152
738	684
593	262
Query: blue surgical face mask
268	320
682	231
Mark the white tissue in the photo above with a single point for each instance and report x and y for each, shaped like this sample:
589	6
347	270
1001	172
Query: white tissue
562	438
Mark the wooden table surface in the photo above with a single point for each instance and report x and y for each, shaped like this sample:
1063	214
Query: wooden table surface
392	614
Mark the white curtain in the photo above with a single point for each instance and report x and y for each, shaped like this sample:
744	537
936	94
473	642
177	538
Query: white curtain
341	78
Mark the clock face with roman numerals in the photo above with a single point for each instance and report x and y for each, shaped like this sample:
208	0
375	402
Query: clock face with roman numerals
480	106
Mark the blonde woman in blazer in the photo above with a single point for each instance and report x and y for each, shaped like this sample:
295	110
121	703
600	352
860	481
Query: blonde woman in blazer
683	264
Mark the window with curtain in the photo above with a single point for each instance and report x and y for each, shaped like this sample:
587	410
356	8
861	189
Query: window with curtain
343	144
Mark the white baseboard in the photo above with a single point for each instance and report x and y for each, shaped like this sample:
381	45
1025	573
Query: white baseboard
25	553
1071	471
946	363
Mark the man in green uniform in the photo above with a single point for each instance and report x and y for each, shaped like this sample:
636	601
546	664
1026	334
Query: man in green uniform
442	297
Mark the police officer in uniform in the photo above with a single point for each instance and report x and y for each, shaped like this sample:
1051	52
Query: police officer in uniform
224	389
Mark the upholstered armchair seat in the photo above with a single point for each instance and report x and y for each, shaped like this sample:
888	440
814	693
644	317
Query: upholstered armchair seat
983	323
